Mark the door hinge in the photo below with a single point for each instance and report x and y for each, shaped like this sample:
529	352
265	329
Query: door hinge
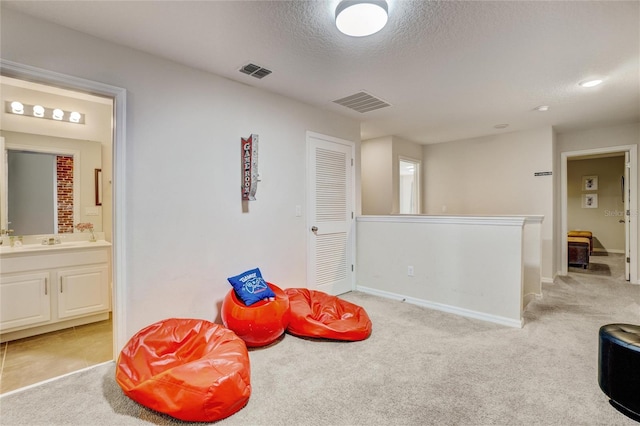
351	215
628	212
351	268
352	162
628	260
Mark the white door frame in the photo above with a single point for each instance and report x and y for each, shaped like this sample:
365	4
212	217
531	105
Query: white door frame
633	205
119	95
352	238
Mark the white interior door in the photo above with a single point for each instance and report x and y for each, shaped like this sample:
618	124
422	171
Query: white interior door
330	214
627	216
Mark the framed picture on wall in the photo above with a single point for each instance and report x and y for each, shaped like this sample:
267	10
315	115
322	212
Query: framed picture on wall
589	201
589	183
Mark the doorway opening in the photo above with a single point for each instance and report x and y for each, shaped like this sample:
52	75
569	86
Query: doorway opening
113	191
409	186
581	191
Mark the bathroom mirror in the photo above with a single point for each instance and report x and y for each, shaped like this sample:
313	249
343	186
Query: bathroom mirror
48	183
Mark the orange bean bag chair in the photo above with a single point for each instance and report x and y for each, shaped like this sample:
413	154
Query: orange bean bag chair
190	369
259	324
318	314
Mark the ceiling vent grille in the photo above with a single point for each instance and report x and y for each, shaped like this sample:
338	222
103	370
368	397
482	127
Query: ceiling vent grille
362	102
255	71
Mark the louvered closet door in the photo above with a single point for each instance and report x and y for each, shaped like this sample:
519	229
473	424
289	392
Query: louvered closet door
330	216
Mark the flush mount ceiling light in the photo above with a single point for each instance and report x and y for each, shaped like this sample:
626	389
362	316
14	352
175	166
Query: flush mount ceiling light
542	108
500	126
360	18
590	83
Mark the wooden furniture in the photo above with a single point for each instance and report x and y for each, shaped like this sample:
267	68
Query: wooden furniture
578	250
583	234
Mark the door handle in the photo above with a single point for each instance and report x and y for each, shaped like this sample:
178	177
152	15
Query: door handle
621	221
314	229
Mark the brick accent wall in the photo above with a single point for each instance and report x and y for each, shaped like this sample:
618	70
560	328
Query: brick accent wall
65	194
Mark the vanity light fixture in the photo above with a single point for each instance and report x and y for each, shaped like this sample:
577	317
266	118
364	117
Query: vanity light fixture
590	83
39	111
17	107
360	18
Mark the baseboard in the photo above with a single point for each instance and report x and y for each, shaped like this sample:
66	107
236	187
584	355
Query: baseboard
547	280
602	250
444	308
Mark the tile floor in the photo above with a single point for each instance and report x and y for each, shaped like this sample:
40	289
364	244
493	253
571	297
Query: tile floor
34	359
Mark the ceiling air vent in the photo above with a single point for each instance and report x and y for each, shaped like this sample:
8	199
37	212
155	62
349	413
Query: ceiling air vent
255	70
362	102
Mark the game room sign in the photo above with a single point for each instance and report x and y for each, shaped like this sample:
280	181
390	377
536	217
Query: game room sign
249	167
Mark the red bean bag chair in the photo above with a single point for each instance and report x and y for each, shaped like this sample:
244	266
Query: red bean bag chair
190	369
259	324
318	314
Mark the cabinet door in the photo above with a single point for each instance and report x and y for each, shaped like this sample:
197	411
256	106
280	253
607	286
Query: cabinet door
25	299
83	291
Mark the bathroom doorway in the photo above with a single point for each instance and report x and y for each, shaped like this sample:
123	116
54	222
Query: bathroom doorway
109	332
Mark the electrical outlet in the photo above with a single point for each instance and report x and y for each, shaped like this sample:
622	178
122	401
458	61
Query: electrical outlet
410	271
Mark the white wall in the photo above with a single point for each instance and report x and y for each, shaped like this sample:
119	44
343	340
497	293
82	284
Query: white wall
494	175
481	267
600	137
377	173
187	231
380	173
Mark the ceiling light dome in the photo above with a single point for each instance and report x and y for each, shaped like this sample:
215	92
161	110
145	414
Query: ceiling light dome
360	18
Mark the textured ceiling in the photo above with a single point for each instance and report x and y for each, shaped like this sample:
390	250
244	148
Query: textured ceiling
450	70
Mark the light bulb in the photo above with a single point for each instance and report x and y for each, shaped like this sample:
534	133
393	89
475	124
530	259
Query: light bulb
58	114
17	107
75	117
38	111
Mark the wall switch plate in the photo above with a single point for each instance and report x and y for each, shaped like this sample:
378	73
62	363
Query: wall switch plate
410	271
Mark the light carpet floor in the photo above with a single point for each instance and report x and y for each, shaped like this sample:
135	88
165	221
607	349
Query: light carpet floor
419	367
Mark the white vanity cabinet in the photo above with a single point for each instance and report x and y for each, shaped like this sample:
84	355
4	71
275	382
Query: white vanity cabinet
52	288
